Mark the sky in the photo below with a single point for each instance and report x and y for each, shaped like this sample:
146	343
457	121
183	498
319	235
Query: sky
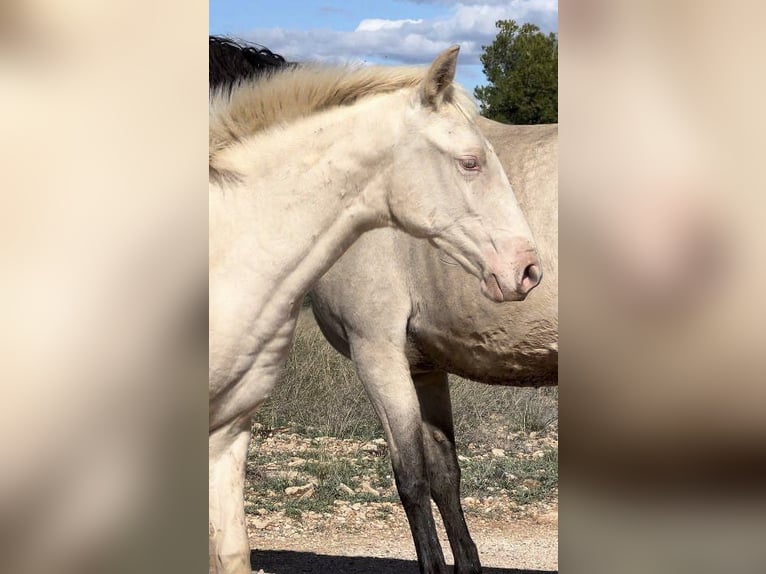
378	31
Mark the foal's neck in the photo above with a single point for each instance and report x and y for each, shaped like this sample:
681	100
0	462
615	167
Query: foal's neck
311	189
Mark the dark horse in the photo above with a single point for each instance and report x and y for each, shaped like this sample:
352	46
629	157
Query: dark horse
231	62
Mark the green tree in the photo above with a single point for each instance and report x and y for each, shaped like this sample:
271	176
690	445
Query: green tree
522	68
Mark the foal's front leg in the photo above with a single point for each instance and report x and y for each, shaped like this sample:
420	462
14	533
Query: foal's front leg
443	468
385	373
228	547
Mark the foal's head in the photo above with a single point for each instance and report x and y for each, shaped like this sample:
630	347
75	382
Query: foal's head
449	186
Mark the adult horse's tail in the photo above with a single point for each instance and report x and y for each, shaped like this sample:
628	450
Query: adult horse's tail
230	61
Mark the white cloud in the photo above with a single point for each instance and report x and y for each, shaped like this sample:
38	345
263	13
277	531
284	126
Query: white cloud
375	24
546	4
470	24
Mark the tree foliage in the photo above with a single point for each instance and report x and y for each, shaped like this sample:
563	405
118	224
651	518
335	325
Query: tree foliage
522	68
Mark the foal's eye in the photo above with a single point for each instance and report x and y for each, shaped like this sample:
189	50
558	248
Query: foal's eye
469	163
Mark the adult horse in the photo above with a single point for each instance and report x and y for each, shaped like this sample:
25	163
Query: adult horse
428	322
302	162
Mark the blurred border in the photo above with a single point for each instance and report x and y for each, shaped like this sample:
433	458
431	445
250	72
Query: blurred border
103	219
663	433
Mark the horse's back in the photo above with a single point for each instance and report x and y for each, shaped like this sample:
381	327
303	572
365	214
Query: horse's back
529	155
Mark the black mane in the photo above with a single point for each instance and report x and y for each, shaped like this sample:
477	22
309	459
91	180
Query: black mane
230	62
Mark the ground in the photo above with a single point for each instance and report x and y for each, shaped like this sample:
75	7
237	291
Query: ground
320	492
322	504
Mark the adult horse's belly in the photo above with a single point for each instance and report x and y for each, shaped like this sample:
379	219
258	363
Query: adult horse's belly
492	356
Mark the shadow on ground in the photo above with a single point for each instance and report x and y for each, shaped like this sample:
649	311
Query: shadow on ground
289	562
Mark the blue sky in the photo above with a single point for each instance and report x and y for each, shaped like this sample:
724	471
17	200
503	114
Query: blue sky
377	31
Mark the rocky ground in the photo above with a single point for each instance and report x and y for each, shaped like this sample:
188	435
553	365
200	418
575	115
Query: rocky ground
324	504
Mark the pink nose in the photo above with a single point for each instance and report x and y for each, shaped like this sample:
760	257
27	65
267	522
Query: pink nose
530	276
514	282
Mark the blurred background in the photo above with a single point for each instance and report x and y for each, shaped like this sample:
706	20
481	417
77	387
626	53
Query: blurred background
103	292
662	378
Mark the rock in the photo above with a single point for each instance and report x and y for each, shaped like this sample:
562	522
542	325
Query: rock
367	488
260	524
379	442
498	453
296	462
462	458
299	491
470	500
281	474
345	489
369	447
307	494
538	454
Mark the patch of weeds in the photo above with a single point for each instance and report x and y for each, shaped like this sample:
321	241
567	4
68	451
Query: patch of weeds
293	512
329	470
526	480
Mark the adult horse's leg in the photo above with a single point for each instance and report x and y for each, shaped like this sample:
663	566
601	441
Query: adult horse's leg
443	469
385	373
228	544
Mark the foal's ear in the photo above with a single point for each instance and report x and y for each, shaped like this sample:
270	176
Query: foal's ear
438	81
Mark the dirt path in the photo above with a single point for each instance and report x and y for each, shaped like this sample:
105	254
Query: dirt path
384	546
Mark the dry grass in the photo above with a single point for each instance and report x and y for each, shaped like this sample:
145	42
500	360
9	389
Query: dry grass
320	395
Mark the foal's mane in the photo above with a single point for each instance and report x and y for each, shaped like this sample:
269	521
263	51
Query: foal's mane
253	89
262	98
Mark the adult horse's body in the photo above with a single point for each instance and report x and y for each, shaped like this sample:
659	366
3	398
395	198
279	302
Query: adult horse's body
301	164
428	321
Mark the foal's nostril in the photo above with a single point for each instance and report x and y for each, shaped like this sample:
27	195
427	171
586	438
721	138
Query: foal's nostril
530	278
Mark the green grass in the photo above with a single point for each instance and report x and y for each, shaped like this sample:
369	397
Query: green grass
525	480
326	471
485	476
